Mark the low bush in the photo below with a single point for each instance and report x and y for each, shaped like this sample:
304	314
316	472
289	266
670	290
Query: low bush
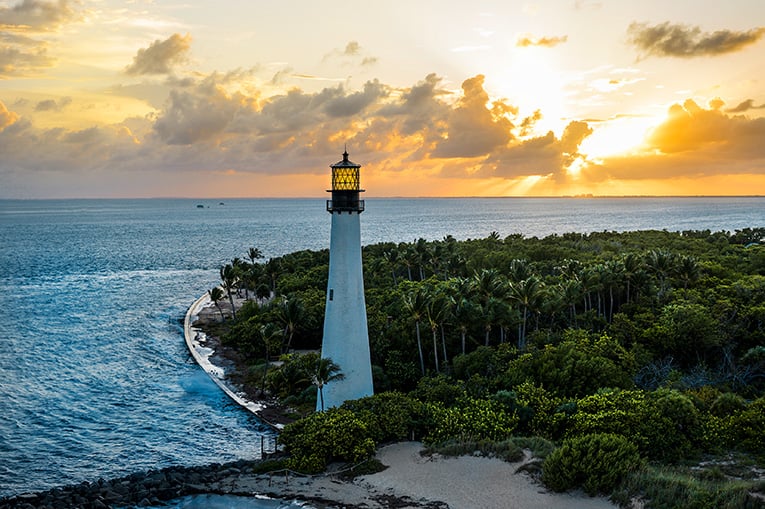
596	462
470	419
334	435
389	416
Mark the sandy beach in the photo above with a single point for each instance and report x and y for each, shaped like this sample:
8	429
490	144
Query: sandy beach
412	480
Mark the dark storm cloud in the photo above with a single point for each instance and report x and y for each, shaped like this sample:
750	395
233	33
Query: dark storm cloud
674	40
160	56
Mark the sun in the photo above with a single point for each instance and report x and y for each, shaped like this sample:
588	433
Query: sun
617	136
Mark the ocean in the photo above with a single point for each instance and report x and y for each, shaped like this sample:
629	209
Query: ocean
95	378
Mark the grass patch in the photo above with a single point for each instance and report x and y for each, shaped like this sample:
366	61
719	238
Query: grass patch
371	466
680	488
505	450
539	447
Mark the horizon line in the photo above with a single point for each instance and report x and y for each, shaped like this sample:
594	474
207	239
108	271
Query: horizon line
392	197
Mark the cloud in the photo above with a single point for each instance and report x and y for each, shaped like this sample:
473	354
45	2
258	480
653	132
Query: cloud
545	155
52	105
547	42
20	62
745	106
38	16
354	103
473	129
161	56
352	53
6	117
671	40
693	142
21	54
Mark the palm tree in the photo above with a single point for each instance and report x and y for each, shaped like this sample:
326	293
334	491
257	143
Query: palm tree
414	302
268	333
254	254
464	311
326	371
391	256
216	294
632	266
290	313
687	270
228	278
527	294
435	311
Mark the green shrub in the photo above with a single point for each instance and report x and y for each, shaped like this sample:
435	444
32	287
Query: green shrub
320	438
664	424
750	427
615	411
674	428
727	403
596	462
438	389
389	416
578	366
470	419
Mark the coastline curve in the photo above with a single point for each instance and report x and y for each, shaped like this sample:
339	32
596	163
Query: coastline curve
201	355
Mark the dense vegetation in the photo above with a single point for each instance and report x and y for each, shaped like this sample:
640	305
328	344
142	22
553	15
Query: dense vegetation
637	353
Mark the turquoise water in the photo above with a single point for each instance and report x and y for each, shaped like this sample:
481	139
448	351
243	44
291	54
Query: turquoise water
95	377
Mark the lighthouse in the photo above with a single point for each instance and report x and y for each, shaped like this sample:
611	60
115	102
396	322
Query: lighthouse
346	338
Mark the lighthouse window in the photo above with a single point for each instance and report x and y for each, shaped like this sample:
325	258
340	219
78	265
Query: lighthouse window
331	293
345	179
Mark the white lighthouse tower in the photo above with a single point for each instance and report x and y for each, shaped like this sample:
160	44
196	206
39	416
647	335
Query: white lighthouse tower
346	338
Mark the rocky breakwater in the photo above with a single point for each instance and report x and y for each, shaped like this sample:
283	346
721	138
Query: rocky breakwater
143	489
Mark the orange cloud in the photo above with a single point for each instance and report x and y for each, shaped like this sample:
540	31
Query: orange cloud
692	142
547	42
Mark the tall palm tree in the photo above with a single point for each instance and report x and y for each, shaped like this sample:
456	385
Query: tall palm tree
326	371
415	303
254	254
391	256
268	333
687	270
436	309
528	294
632	266
290	314
216	294
228	279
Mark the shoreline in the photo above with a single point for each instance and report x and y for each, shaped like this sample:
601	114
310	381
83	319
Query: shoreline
207	349
408	481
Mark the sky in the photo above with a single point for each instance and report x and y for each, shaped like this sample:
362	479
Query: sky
255	98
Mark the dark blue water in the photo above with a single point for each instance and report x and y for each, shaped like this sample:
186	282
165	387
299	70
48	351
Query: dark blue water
95	378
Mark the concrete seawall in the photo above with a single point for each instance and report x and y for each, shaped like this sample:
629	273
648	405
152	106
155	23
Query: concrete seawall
201	354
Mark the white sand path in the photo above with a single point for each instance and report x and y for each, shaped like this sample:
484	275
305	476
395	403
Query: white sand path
467	482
